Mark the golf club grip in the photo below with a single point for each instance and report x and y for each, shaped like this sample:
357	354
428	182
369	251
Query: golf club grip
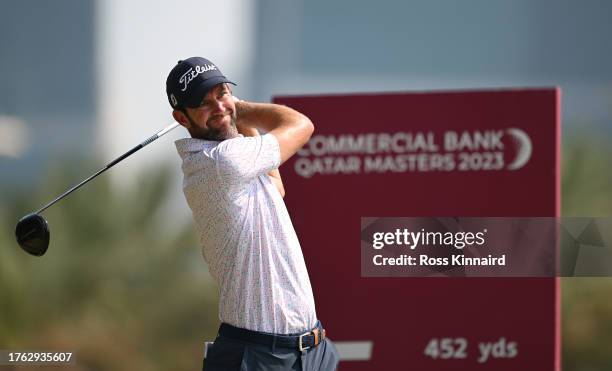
123	156
111	164
146	141
131	151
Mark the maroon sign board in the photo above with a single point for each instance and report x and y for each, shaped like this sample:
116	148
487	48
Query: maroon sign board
427	154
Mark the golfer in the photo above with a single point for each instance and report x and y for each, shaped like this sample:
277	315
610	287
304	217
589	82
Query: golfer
233	187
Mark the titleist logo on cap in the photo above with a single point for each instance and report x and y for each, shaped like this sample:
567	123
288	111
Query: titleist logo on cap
191	74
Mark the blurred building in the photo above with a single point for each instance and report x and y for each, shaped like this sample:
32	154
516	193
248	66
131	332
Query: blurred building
47	80
87	77
346	46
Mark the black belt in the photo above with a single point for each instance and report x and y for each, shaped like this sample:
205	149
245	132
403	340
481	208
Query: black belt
302	342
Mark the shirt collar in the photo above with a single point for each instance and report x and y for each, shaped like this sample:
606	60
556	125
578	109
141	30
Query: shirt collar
189	145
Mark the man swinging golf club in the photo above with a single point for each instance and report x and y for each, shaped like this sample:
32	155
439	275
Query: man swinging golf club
233	187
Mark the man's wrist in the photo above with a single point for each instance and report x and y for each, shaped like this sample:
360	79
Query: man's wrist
241	124
240	108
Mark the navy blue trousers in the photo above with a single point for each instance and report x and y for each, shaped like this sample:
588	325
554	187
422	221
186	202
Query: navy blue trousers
236	355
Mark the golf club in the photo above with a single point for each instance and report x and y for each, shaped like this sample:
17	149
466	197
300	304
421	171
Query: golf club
32	230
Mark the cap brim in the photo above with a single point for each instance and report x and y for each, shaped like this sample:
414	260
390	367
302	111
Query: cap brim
200	91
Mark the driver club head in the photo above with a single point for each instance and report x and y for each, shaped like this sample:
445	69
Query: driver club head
32	230
32	234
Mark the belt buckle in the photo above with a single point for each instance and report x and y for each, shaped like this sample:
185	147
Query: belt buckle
300	343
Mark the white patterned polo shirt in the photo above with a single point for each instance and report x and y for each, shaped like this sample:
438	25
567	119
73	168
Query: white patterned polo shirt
246	234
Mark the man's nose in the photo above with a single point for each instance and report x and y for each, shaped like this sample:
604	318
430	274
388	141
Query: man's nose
219	106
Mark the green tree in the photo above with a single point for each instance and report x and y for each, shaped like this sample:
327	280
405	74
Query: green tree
586	306
115	286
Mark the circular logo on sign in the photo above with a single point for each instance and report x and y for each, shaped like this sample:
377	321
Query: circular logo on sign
523	147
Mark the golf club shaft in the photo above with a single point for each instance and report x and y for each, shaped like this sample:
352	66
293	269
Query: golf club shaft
111	164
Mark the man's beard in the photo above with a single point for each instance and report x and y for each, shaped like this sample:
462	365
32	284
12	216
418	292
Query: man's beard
217	135
223	133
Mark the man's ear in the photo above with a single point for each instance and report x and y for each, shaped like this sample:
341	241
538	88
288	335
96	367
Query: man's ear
180	117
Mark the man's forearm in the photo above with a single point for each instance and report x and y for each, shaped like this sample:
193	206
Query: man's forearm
290	127
265	116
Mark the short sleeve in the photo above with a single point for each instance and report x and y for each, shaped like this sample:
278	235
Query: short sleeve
245	158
